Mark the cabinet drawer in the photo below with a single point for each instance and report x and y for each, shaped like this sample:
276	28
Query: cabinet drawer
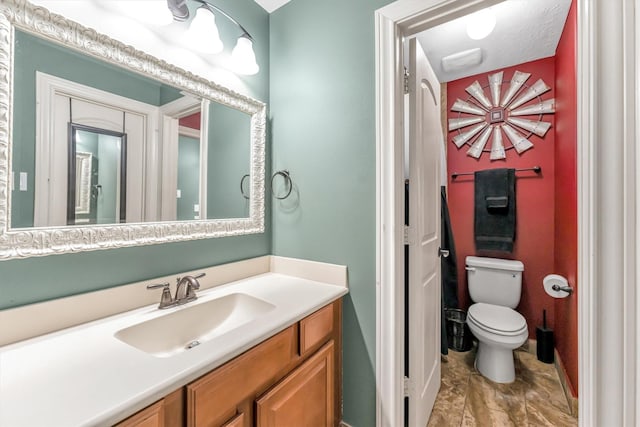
151	416
316	328
213	399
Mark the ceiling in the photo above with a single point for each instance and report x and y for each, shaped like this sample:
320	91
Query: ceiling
525	30
271	5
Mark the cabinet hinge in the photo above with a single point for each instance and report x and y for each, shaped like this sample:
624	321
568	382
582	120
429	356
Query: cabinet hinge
406	80
406	386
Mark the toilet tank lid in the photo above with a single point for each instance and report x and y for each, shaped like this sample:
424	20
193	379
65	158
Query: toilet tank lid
495	263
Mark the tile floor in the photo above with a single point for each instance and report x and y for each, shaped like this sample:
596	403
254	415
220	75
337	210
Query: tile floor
468	399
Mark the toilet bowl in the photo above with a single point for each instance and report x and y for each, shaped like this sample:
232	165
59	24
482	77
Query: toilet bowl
499	331
495	287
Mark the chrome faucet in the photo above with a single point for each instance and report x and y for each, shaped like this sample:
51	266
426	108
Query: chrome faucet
185	291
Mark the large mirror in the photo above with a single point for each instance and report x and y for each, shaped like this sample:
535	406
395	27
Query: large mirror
102	146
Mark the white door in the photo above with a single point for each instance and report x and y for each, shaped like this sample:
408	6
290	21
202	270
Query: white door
425	139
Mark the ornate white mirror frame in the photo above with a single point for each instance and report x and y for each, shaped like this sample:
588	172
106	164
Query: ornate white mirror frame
29	242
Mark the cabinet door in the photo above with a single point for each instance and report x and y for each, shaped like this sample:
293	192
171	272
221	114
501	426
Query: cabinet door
213	399
304	398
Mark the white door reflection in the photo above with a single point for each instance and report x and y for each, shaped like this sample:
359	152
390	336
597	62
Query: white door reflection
97	176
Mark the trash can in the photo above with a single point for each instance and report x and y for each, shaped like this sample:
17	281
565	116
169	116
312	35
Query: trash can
459	337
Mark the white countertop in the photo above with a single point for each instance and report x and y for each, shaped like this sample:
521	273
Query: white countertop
84	376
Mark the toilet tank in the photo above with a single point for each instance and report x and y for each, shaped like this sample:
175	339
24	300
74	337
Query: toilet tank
494	281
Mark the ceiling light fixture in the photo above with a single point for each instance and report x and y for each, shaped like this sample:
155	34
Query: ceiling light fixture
480	24
204	36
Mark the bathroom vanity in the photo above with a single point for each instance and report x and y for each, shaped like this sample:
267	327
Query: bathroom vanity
291	378
258	350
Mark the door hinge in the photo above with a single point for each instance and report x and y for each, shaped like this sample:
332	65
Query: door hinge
407	235
406	386
406	80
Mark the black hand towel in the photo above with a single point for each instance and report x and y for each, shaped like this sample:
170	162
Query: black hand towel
495	209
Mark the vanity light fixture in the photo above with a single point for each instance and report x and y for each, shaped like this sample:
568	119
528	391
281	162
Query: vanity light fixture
204	36
203	33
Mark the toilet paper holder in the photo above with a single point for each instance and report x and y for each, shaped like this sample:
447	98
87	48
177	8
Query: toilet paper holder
557	286
567	289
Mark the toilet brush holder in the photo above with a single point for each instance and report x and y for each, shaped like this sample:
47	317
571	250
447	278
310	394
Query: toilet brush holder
544	337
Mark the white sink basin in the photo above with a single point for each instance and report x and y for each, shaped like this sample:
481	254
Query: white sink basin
191	325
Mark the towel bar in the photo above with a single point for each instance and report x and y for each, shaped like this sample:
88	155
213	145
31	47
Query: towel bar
536	169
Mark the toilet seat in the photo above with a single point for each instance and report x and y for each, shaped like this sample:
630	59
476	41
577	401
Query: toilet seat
497	319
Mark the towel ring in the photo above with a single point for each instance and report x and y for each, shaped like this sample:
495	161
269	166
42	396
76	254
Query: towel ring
287	179
242	186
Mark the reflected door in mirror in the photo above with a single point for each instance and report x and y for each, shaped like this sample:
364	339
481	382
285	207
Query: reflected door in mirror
97	180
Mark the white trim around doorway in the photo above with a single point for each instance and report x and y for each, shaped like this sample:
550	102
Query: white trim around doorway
608	206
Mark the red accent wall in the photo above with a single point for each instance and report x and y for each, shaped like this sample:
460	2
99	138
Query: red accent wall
566	229
192	121
534	244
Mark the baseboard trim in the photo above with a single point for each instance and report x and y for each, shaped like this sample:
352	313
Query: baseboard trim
564	380
531	347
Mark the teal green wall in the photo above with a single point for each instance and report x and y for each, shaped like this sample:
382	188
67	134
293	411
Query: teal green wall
39	279
323	130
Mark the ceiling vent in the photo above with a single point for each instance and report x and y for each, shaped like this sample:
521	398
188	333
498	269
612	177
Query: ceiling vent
462	60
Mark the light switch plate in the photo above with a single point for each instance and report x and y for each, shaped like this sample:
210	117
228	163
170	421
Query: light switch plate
179	193
23	181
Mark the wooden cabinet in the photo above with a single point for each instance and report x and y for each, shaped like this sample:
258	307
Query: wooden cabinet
291	379
216	397
151	416
305	398
167	412
237	421
316	328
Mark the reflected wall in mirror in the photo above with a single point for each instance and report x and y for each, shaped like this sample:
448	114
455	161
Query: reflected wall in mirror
227	129
182	144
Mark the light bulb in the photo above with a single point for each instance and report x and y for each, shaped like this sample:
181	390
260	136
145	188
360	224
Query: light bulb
243	58
480	24
202	34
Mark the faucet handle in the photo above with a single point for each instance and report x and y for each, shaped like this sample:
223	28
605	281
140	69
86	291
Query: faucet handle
165	300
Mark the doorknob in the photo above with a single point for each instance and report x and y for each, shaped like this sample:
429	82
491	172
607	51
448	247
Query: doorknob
443	253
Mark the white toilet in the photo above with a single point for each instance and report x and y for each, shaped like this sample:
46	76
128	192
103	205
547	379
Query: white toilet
495	286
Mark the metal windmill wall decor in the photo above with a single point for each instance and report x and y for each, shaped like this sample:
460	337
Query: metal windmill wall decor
481	119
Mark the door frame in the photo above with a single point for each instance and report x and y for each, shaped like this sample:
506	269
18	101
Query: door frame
170	113
608	260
